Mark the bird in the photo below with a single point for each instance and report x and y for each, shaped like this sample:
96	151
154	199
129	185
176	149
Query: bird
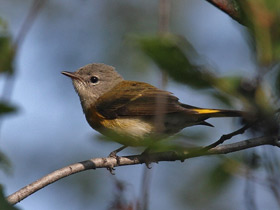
129	112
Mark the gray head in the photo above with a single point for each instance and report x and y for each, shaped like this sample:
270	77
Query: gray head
92	81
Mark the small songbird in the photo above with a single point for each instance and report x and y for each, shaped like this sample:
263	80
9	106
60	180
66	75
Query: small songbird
131	111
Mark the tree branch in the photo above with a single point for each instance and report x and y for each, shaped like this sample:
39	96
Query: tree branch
229	136
136	159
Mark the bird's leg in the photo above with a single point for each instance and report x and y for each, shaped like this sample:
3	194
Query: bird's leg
114	153
145	154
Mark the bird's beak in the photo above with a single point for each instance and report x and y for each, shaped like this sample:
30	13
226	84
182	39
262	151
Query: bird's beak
72	75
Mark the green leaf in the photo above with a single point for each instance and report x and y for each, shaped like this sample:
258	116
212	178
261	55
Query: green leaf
6	54
6	108
227	100
238	88
5	164
4	205
170	52
229	84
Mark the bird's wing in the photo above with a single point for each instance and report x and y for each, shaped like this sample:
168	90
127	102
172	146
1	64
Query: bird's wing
130	98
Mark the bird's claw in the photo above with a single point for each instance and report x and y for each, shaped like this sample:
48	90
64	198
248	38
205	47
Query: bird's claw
148	165
111	170
147	161
113	154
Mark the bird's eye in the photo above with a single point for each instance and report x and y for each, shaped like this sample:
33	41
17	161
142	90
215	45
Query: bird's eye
94	79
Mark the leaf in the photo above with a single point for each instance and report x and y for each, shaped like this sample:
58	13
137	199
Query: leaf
6	108
3	202
229	84
4	162
167	52
6	54
222	98
244	90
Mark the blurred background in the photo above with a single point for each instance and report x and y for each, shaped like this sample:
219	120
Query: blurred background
48	129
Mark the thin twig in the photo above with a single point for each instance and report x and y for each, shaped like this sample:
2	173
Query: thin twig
29	20
133	160
229	136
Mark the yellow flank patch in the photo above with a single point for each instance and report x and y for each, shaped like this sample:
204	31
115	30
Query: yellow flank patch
129	127
206	111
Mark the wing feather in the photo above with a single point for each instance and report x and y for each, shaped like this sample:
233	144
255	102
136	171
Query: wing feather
130	98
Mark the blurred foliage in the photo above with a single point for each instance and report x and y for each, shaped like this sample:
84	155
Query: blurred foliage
252	160
6	54
206	188
262	18
220	175
168	53
6	108
6	66
6	61
4	162
223	98
6	49
4	205
177	57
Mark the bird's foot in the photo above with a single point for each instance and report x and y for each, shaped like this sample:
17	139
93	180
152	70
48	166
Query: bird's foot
113	154
145	155
111	169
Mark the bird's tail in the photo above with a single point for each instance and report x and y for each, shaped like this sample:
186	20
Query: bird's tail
208	113
218	113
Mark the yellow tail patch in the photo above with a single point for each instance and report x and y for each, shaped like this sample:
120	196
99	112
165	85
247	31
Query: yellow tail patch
206	111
